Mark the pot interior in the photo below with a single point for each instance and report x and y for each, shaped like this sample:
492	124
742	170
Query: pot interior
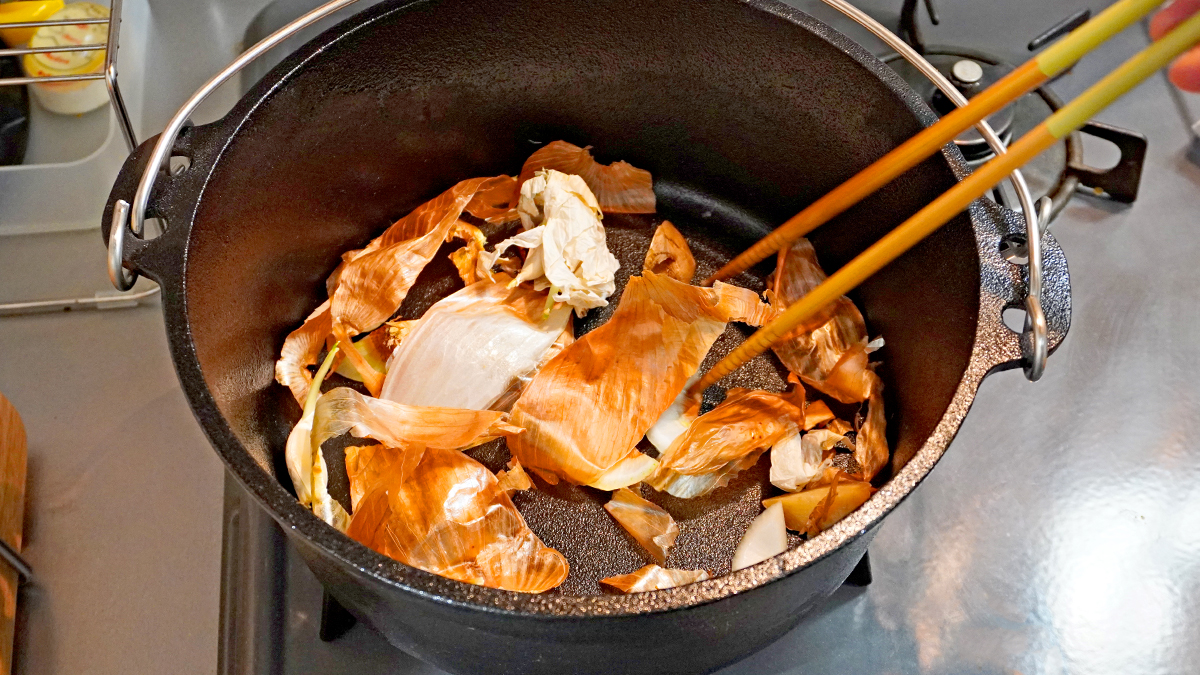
743	112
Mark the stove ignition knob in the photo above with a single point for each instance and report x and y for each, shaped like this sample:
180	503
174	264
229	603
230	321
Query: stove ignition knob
967	72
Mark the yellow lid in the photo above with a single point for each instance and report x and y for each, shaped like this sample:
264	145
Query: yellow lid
69	63
28	10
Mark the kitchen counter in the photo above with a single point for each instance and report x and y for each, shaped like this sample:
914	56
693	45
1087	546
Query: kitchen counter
123	515
1060	533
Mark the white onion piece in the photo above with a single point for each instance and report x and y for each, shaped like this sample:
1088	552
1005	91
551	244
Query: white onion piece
765	538
469	348
796	460
674	421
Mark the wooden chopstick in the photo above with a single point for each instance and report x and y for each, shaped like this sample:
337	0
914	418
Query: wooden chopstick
1052	61
1068	118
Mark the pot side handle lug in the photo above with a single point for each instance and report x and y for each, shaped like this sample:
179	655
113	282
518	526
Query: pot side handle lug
1004	283
132	254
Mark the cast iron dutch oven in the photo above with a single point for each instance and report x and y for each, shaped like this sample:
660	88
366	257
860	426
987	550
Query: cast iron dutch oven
743	110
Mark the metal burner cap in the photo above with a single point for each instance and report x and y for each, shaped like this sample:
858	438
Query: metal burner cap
967	71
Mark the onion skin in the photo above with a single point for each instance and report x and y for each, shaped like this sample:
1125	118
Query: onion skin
724	441
587	408
619	187
670	254
447	514
830	353
645	521
653	578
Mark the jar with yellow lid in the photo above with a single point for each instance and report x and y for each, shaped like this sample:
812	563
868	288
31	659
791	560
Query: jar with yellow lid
69	98
20	12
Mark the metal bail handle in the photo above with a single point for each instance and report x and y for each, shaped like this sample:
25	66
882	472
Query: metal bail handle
132	216
1037	326
120	277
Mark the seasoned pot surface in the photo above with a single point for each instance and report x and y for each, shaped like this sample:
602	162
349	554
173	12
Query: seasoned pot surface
741	116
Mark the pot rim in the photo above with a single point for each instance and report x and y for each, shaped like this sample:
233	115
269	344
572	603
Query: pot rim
993	349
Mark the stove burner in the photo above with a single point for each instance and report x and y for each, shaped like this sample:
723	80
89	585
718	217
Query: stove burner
1045	172
1058	172
972	77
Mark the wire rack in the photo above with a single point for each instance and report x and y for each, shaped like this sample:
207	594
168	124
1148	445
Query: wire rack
109	74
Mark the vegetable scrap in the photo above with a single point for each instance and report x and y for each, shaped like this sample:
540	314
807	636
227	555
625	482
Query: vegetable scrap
617	380
443	512
831	354
720	444
764	539
499	359
654	578
472	348
618	187
564	240
645	521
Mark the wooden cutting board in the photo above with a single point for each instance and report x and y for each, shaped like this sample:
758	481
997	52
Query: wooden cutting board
12	515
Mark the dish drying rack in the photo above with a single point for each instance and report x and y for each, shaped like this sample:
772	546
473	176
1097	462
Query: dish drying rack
133	215
124	123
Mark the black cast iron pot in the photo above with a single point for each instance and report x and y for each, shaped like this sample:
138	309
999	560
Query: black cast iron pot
744	111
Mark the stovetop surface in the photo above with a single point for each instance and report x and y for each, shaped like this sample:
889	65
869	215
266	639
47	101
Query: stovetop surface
1060	533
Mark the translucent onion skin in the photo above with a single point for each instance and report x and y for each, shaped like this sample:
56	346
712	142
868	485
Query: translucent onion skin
619	187
469	348
871	447
301	349
401	426
447	514
653	578
514	479
725	441
670	254
374	282
585	411
494	201
645	521
370	283
675	419
830	354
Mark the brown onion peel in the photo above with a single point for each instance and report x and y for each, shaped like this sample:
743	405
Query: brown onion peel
645	521
724	441
653	578
670	254
619	187
449	515
588	407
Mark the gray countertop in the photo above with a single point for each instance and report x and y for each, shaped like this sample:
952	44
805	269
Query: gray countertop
1060	534
123	517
